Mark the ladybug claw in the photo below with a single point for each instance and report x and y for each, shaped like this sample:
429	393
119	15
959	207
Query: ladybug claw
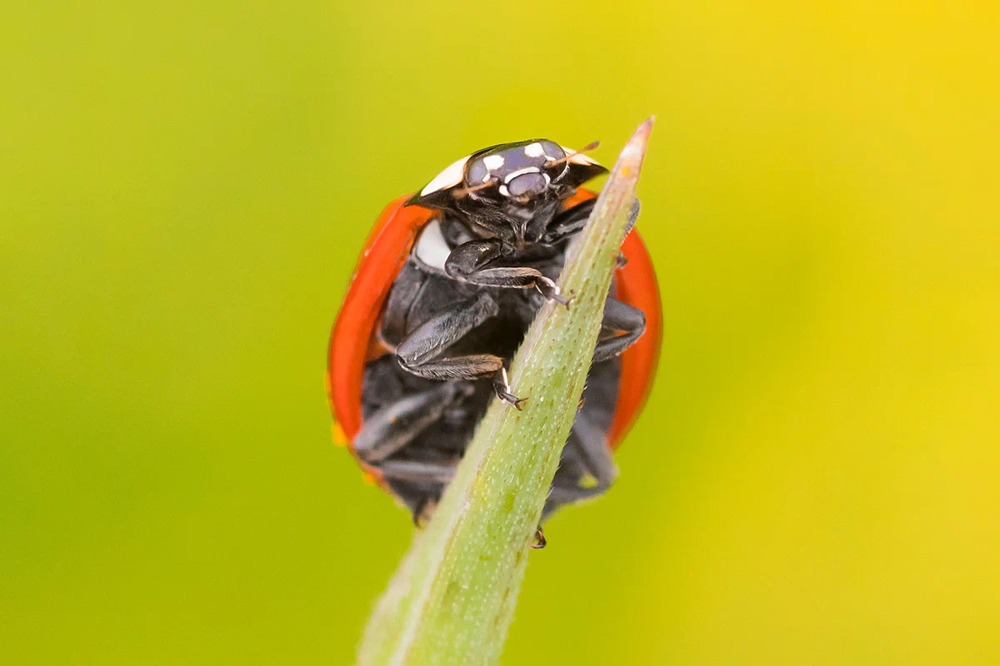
422	511
550	290
503	391
510	398
539	539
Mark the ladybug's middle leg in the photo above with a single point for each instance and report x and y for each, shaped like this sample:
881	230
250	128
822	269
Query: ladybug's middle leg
419	353
628	320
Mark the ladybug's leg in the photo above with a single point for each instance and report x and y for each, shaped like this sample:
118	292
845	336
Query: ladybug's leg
619	316
502	387
470	262
575	219
424	473
592	454
396	424
418	471
418	353
424	509
568	222
591	443
633	215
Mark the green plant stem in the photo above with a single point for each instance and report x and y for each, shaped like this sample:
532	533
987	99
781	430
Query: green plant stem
452	599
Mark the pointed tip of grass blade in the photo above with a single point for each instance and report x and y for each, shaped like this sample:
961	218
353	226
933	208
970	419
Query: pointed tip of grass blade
614	202
630	160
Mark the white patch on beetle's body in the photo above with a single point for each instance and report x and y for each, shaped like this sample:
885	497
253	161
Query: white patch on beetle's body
450	177
493	162
534	150
431	249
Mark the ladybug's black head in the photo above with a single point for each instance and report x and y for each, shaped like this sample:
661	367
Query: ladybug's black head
519	171
510	175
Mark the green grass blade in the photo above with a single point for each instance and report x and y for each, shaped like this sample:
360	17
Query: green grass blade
452	599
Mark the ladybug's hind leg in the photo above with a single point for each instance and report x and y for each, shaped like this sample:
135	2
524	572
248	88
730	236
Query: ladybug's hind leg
433	476
396	424
591	443
424	509
592	471
419	471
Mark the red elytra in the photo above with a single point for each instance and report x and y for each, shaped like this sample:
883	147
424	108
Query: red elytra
353	341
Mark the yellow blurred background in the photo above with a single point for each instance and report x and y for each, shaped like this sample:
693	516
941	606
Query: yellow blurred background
183	190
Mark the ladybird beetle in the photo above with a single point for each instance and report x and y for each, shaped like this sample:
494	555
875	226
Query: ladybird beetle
445	289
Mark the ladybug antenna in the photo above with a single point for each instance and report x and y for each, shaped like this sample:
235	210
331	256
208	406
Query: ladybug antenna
459	193
586	149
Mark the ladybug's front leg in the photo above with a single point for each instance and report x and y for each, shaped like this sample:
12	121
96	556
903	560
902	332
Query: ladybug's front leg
573	220
568	222
470	261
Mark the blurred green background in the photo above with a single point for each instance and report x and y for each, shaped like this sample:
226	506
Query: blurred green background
184	188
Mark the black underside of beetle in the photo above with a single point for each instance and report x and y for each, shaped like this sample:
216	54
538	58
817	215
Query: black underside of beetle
429	445
443	443
452	330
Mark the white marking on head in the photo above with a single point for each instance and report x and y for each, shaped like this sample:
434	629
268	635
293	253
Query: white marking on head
578	158
493	162
534	150
450	177
431	248
514	174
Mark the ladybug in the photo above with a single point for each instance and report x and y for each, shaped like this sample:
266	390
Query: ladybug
448	282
